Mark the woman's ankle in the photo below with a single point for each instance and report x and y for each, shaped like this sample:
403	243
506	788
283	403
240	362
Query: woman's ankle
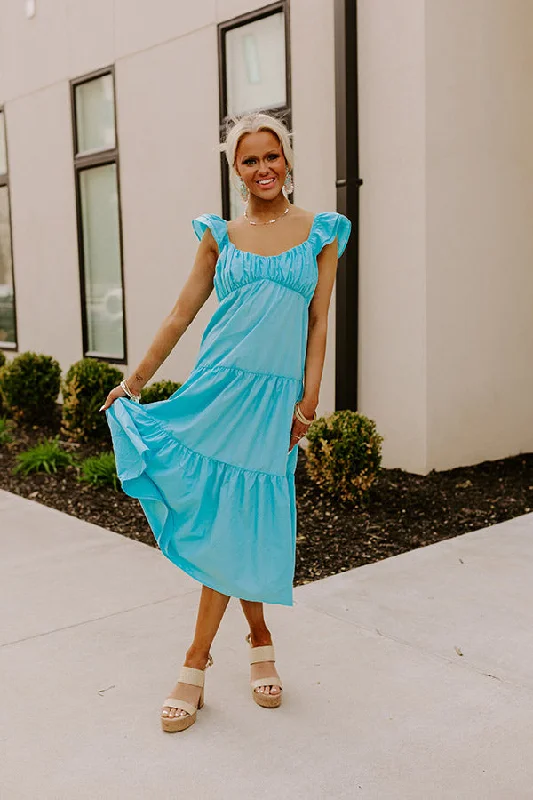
196	657
260	637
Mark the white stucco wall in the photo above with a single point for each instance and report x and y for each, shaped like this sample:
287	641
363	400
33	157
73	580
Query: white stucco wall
479	230
392	152
446	124
446	237
166	71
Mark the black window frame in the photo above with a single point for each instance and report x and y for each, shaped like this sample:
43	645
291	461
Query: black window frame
281	111
82	163
12	347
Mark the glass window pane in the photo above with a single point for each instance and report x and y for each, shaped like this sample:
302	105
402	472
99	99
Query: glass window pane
95	115
3	158
255	65
101	250
7	302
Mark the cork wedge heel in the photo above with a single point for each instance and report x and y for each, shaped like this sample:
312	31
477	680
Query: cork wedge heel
258	655
193	677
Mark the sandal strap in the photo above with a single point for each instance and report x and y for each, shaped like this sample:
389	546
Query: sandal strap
267	682
182	705
193	676
263	653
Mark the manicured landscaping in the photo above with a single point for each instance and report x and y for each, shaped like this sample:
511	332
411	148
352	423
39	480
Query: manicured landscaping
404	511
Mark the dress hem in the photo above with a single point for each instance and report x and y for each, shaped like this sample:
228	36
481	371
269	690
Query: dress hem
190	572
189	569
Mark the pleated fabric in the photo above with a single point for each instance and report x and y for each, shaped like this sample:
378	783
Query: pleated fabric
210	466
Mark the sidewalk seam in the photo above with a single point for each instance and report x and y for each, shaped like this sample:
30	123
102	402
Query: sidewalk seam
97	619
430	653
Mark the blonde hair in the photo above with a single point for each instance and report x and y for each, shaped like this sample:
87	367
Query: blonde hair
237	127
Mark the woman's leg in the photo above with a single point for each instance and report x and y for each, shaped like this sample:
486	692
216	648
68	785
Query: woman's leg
210	612
260	635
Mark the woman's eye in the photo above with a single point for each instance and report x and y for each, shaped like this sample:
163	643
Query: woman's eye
270	156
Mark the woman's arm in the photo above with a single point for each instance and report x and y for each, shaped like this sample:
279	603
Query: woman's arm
194	294
327	262
318	327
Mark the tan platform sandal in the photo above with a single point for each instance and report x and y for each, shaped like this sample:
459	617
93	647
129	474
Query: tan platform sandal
194	677
257	655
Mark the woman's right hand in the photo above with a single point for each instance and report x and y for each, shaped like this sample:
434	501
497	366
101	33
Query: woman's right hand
118	391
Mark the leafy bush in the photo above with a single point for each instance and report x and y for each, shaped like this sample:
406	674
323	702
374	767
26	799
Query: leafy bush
47	456
3	404
160	390
344	455
100	471
5	431
30	387
85	387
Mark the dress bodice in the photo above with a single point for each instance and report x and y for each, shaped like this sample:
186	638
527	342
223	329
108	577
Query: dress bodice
295	269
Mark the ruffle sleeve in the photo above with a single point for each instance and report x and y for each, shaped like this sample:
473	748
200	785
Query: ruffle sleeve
327	226
218	226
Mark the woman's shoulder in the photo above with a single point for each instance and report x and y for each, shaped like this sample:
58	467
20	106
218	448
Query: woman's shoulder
328	226
302	212
210	216
215	224
329	216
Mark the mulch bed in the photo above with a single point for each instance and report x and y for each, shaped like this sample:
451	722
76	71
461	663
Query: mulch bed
405	510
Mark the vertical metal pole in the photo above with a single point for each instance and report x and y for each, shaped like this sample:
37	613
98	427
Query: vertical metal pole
347	183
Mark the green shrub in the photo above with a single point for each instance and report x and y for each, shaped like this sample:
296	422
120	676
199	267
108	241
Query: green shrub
344	455
30	386
160	390
3	405
100	471
5	431
85	387
47	456
2	358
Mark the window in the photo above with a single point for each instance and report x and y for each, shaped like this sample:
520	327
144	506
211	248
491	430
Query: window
99	223
8	327
254	75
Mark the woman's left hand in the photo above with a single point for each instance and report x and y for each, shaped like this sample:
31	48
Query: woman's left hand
298	428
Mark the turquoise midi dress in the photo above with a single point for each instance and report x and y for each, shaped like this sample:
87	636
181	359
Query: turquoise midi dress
211	465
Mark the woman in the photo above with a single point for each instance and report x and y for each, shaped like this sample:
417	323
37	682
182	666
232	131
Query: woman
213	466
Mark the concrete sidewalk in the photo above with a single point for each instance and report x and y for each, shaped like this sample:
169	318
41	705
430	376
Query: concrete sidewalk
410	678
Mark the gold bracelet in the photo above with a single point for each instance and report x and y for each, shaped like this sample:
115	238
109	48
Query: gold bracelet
135	397
300	415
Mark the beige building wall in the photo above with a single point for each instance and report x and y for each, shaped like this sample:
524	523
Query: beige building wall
446	124
392	307
166	72
479	230
446	330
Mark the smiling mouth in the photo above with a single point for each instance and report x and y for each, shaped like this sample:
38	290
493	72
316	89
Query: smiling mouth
266	182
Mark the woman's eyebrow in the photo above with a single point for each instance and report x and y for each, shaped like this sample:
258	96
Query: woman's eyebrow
252	155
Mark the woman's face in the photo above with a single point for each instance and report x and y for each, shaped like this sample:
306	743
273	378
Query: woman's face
260	162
